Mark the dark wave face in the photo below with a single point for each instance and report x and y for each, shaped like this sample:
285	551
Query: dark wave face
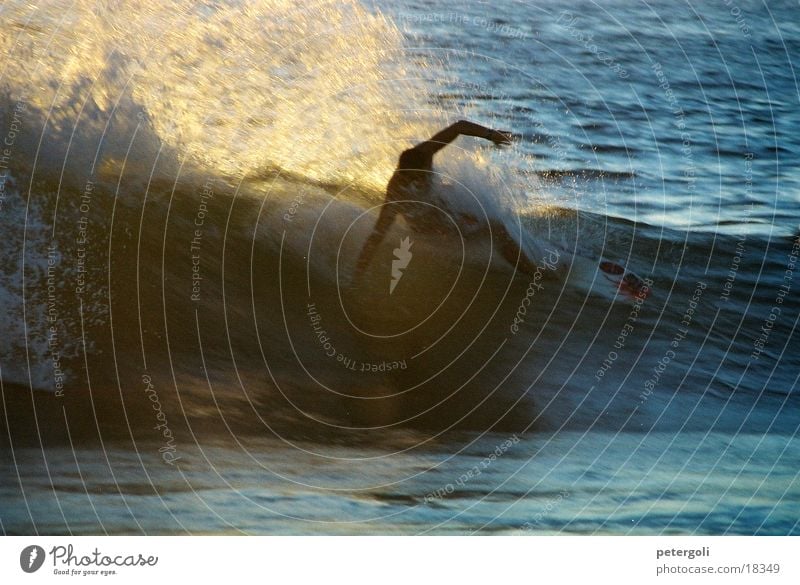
186	190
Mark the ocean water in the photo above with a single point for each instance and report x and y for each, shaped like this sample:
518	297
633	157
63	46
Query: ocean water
186	187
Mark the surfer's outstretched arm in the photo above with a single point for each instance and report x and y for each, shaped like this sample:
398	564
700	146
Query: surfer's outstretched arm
444	137
385	221
419	158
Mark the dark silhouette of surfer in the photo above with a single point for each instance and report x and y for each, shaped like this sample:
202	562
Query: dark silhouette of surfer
409	194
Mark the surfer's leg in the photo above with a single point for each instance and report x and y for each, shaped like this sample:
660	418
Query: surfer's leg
510	249
385	221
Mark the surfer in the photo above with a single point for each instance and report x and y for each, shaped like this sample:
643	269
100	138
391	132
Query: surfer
409	194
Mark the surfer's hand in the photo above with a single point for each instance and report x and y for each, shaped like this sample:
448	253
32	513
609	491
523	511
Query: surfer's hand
501	137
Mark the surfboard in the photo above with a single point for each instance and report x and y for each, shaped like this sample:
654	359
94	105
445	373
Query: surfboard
583	272
586	273
595	275
606	278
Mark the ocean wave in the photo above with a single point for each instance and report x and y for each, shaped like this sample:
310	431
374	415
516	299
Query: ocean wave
174	210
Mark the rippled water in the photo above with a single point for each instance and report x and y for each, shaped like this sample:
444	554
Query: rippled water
596	483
